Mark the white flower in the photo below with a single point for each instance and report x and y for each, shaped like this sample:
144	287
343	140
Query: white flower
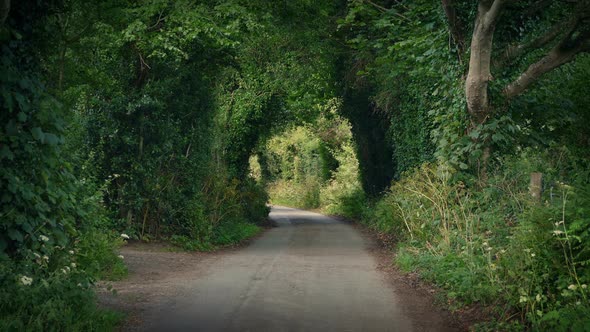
489	248
64	271
45	258
584	286
125	236
67	268
73	265
71	252
121	256
572	287
36	255
43	238
533	255
485	244
557	232
26	280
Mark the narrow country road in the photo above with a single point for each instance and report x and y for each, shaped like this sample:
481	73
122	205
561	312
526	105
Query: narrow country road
311	273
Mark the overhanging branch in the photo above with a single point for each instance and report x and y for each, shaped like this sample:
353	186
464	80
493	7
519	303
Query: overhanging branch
562	53
513	52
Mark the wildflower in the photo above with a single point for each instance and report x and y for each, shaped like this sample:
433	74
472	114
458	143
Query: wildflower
503	251
116	175
121	256
584	286
71	252
73	265
493	267
489	248
36	255
64	271
26	280
45	258
43	238
557	232
485	244
67	268
572	287
125	236
533	255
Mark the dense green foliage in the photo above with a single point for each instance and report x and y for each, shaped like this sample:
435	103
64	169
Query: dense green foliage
178	120
138	118
313	167
484	240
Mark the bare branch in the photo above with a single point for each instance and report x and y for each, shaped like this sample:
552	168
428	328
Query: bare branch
562	53
160	19
383	9
513	52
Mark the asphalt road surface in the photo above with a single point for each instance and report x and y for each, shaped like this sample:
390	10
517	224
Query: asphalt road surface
311	273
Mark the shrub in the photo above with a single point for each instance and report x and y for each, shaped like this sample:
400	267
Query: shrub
50	301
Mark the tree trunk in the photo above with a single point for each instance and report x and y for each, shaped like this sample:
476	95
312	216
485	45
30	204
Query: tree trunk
479	75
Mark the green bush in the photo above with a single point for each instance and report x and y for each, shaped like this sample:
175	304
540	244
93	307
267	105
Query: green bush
303	195
97	254
58	300
225	213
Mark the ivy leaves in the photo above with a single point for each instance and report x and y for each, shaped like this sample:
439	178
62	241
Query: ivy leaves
37	188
